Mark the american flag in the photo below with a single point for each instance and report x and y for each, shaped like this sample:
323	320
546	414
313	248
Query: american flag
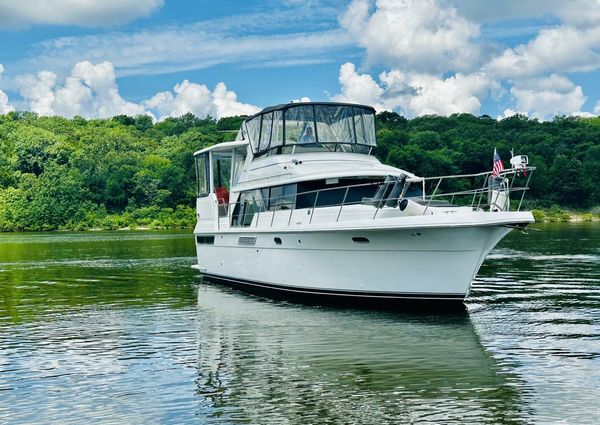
498	165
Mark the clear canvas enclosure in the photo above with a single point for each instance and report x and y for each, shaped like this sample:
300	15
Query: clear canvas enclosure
312	127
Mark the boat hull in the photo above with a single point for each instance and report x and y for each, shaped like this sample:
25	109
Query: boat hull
312	296
380	266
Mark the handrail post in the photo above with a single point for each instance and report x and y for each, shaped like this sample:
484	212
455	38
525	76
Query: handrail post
512	182
293	208
377	205
474	195
314	206
342	206
433	194
258	214
524	190
273	216
485	181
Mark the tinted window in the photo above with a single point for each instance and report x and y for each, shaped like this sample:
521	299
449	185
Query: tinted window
202	175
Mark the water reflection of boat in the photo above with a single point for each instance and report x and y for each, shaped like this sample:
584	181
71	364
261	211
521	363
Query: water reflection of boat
262	362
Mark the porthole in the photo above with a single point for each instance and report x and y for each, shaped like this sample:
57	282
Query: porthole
360	239
277	241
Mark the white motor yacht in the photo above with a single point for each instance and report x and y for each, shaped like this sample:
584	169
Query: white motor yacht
298	206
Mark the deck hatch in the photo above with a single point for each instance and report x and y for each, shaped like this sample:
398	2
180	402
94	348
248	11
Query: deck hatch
247	240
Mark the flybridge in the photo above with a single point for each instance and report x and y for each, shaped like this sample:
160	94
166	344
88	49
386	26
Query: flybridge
311	127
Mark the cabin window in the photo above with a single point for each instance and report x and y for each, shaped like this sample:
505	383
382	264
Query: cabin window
335	125
312	127
239	158
266	128
205	239
250	203
277	134
253	131
282	197
364	123
334	195
271	130
303	195
202	175
299	125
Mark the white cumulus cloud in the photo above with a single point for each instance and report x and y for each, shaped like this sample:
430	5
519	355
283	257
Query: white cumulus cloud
90	91
419	35
302	99
5	107
199	100
575	12
100	79
572	11
358	88
90	13
415	93
226	103
185	97
436	61
548	96
38	91
559	49
445	96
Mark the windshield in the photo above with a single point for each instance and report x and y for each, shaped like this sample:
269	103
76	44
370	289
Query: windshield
312	127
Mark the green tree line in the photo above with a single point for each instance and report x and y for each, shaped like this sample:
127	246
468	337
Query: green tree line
58	173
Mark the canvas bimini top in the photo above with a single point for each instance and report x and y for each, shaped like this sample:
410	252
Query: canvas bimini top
311	127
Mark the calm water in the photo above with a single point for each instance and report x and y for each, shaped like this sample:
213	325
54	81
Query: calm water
116	328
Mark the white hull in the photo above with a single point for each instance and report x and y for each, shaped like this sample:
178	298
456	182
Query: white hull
400	263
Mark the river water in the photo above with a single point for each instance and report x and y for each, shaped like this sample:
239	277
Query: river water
116	328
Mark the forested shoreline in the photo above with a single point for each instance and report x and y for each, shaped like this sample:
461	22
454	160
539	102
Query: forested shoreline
128	172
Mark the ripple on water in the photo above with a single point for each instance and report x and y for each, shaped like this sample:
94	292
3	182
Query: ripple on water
541	309
117	329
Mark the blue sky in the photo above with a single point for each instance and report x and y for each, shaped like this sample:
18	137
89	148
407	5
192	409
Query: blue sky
168	57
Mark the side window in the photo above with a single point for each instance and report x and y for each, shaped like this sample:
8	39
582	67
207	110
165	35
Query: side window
266	128
202	175
250	203
239	157
283	197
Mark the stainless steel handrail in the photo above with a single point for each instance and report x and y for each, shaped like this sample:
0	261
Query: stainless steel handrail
428	199
484	188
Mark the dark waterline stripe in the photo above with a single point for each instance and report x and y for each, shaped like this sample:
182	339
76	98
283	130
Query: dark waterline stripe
334	293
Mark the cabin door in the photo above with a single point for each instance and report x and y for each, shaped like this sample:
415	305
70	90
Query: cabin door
205	203
221	168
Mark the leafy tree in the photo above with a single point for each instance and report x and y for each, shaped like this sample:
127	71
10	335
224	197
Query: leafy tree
78	173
